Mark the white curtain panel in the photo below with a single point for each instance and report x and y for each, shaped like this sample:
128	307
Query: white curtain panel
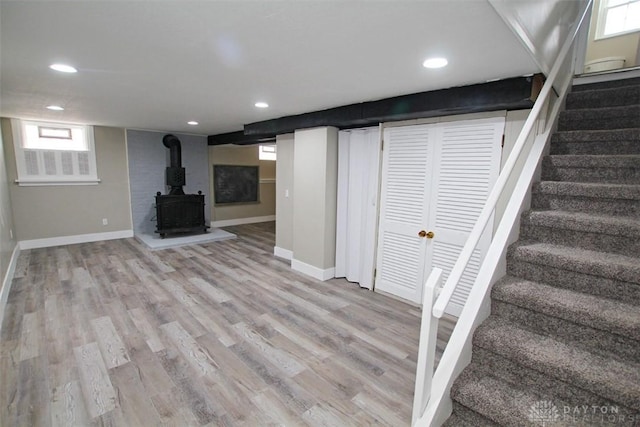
356	228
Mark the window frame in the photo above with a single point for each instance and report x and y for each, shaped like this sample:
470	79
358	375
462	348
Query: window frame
602	21
59	178
265	155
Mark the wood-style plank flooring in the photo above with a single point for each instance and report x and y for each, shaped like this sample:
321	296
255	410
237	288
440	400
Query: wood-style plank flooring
223	333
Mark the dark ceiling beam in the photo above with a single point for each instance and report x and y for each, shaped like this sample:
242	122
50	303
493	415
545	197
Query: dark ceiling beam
509	94
238	138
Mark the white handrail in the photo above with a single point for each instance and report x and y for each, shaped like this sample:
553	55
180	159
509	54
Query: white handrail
495	194
427	347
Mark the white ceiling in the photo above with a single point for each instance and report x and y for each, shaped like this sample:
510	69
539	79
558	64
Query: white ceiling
157	64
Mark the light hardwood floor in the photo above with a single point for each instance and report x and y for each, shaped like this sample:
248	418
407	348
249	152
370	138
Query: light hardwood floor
223	333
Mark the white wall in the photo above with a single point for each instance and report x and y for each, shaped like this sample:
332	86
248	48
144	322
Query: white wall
541	25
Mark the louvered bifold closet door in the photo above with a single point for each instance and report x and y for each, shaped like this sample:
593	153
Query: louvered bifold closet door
467	164
406	170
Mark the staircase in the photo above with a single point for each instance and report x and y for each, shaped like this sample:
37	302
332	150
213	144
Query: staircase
562	344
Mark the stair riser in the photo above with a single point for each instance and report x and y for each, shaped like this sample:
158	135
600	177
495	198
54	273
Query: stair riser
606	85
468	418
603	175
549	388
615	207
603	98
569	123
594	340
567	279
585	239
596	147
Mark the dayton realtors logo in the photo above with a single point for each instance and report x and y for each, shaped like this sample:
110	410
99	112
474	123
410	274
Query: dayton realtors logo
543	412
546	413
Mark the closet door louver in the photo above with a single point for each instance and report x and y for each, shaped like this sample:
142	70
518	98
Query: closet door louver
436	177
407	156
467	165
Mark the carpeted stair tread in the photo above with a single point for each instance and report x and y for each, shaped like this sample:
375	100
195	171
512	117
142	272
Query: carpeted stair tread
605	135
564	328
607	97
596	142
627	116
595	161
579	221
601	264
589	189
591	231
606	377
494	399
629	82
465	417
584	309
592	197
614	169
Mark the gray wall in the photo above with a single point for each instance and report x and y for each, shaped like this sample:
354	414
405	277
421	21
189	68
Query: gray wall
284	186
246	156
315	175
42	212
7	240
148	158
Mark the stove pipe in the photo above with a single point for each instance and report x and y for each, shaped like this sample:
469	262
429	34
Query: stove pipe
175	174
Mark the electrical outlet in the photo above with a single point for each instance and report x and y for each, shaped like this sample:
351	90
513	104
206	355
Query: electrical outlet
286	193
104	221
11	234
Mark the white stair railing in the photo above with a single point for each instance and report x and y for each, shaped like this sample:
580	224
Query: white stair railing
432	404
426	352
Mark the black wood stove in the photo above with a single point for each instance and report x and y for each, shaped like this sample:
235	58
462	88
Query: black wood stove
177	212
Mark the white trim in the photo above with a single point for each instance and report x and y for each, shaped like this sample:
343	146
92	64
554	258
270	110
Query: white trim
71	240
8	281
283	253
315	272
41	182
240	221
602	21
41	177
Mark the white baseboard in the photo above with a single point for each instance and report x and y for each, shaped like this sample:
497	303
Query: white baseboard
315	272
72	240
283	253
240	221
7	281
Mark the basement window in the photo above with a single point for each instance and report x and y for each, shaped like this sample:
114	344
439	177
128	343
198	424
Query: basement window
267	152
54	153
617	17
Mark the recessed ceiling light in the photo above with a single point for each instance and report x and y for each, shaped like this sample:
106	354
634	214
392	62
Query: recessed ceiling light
192	123
262	105
63	68
55	107
435	63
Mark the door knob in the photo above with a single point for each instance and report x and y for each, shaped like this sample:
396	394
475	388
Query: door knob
428	235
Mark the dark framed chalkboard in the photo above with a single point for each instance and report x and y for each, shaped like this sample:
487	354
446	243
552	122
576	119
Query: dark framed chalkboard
235	184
